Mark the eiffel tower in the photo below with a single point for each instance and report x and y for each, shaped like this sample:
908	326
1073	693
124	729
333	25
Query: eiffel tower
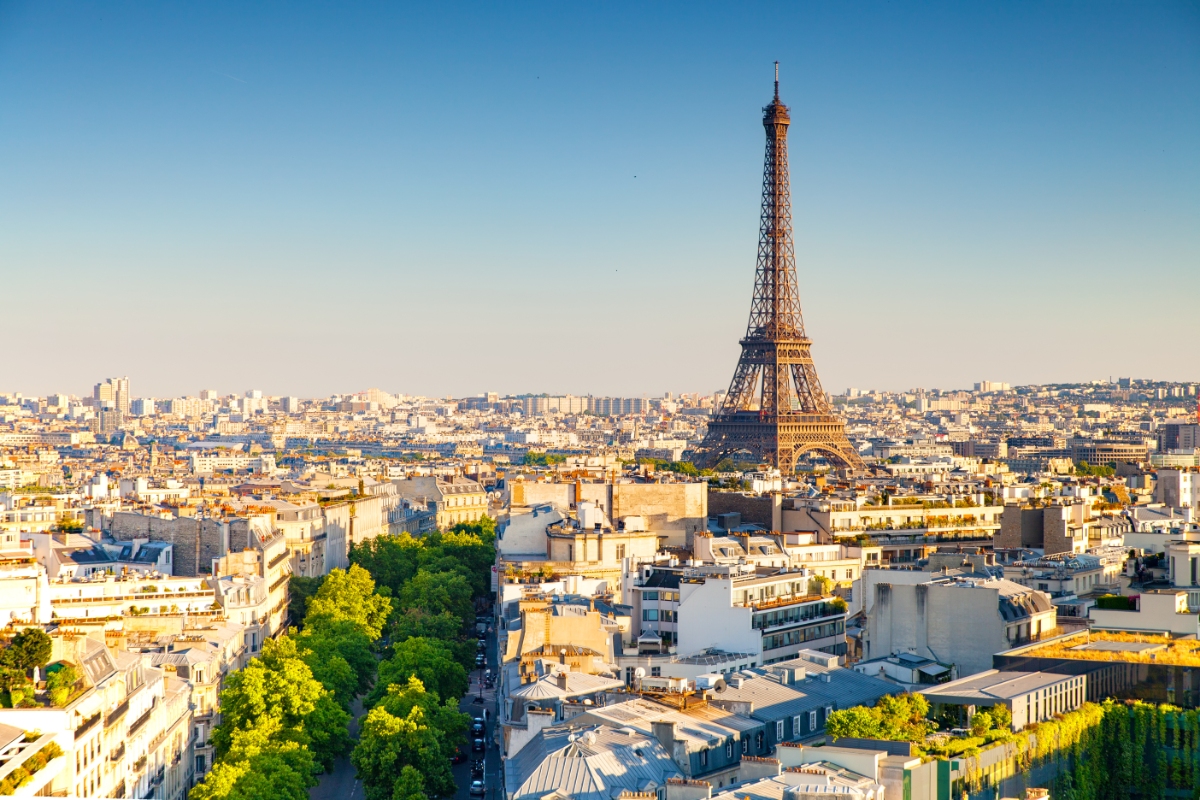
775	407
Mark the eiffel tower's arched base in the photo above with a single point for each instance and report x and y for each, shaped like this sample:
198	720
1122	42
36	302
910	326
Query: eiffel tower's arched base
779	443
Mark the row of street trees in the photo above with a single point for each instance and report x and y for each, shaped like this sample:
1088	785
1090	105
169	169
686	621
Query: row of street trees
413	727
285	717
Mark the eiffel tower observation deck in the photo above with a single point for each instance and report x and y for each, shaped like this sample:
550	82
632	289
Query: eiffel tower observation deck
776	409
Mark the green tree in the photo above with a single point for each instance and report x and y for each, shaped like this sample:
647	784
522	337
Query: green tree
30	648
981	723
429	660
350	594
410	785
259	766
1002	717
410	727
60	683
858	722
280	685
438	592
444	627
391	560
344	639
300	589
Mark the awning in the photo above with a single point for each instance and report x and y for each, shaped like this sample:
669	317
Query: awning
933	670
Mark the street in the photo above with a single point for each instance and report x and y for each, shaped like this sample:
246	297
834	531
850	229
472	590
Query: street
341	783
462	772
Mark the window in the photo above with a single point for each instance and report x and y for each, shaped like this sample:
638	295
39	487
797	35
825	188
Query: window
812	721
729	748
796	725
828	711
758	741
745	746
703	758
620	552
199	764
649	595
779	730
650	615
656	672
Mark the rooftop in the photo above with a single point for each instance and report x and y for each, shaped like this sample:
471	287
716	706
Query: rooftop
1127	647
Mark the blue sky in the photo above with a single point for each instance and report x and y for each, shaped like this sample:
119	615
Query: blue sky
449	199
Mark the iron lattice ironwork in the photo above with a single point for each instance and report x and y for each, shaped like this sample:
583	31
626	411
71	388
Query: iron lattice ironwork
776	408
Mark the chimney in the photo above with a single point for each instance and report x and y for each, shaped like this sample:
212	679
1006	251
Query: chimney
562	681
665	733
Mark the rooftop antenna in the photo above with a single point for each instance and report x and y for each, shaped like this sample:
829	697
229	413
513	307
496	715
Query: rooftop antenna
776	81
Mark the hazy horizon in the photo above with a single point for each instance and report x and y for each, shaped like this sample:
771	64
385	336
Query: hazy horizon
312	200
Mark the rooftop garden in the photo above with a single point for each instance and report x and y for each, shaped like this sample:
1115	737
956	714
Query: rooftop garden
1158	650
30	650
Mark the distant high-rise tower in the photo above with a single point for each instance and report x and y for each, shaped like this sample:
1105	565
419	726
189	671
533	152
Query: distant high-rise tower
775	408
113	393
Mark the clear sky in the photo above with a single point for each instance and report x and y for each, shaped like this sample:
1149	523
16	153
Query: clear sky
445	198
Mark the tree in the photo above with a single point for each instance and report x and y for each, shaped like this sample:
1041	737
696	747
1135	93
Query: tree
1002	717
279	685
350	594
429	660
344	639
300	589
444	627
60	683
898	718
858	722
410	785
391	560
981	723
259	766
409	727
438	592
30	648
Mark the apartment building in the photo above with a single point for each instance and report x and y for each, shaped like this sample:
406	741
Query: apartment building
1069	527
959	620
767	613
453	501
126	732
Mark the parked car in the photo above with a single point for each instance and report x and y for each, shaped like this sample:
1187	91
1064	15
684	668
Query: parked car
478	789
478	745
459	756
477	728
480	660
477	768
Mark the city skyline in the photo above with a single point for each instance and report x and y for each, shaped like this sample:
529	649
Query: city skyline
241	178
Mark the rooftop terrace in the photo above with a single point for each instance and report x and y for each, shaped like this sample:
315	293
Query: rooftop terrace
1126	647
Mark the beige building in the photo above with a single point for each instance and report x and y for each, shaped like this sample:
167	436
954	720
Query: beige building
455	501
674	511
1067	528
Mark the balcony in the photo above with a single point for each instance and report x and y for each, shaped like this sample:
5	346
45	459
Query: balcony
116	714
141	721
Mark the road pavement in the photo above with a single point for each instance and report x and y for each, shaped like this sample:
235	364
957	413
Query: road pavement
471	705
340	784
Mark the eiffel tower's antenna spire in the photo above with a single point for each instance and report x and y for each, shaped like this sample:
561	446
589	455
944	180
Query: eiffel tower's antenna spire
776	81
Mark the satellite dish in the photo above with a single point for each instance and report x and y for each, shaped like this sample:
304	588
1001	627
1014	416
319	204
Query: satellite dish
639	673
